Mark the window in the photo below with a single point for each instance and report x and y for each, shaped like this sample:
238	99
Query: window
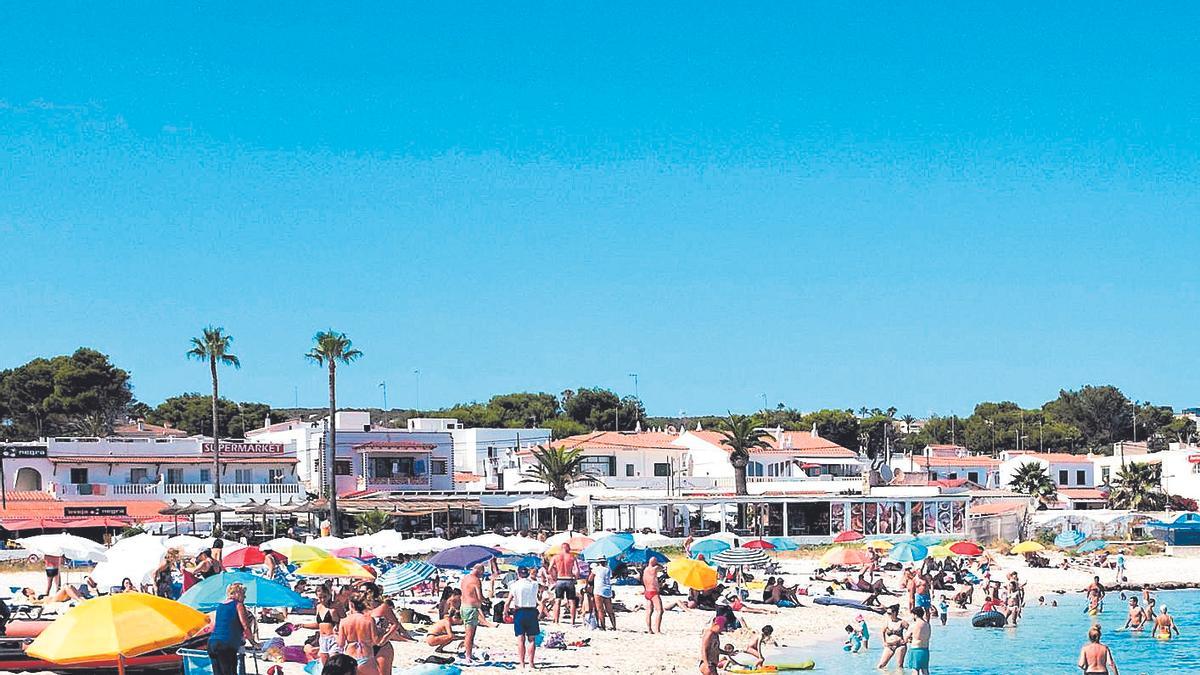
28	478
1080	477
754	469
79	476
205	475
274	476
599	466
243	475
174	476
973	476
341	467
1105	472
952	475
138	476
629	470
437	467
662	469
1062	477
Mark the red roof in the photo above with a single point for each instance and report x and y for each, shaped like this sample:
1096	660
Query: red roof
620	440
937	462
147	430
996	508
801	443
1081	493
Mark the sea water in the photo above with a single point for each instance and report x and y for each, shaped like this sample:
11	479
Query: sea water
1047	641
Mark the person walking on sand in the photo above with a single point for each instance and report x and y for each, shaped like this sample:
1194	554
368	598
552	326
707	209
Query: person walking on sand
917	658
523	604
651	590
1096	658
602	590
710	646
472	601
565	568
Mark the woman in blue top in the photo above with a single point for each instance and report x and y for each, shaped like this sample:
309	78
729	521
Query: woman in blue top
231	629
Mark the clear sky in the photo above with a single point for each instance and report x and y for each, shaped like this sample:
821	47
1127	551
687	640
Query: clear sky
835	206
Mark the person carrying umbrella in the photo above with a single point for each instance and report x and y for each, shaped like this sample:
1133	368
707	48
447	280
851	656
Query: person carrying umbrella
232	628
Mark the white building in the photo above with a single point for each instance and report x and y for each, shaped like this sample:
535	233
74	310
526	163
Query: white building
791	455
622	459
950	462
484	453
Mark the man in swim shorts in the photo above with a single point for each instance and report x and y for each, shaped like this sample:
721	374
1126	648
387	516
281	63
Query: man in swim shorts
523	603
1164	625
565	568
472	601
1136	617
1096	658
651	590
917	658
53	580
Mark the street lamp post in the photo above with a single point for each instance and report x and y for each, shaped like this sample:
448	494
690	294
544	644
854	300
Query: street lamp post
417	372
635	386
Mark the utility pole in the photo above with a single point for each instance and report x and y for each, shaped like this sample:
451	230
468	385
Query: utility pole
383	386
764	398
617	423
1041	438
635	386
417	405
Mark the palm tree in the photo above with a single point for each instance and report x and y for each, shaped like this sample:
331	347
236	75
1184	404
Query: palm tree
558	468
213	346
1032	479
374	520
329	349
742	437
908	422
1137	487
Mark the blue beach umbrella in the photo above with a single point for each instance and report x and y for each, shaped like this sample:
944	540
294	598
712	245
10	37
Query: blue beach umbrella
1094	545
522	560
708	548
260	592
640	556
930	539
783	543
403	577
609	547
462	557
1069	539
908	551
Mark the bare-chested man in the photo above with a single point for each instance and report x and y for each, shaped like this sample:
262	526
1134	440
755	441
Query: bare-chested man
1136	618
1095	658
565	571
472	601
651	590
710	647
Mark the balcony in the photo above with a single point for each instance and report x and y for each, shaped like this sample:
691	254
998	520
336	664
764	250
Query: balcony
394	482
232	492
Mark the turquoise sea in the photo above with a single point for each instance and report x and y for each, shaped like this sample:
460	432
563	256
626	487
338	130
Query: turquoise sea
1046	643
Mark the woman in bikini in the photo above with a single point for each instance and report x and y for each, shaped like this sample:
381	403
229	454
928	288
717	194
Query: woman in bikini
357	638
328	618
894	643
387	626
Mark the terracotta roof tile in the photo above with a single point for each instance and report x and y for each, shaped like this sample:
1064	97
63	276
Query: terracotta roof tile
996	508
988	462
793	442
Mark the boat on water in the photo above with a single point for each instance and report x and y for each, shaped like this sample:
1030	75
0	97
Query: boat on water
20	633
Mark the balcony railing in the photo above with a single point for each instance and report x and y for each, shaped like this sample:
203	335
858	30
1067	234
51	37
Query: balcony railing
394	482
183	491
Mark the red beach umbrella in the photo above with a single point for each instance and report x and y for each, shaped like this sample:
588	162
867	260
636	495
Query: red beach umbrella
966	548
759	543
353	552
847	537
248	557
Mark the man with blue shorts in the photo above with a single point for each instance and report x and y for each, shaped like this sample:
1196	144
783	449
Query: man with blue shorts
917	659
523	604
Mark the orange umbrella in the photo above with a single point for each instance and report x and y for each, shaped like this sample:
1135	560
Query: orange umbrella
579	542
845	556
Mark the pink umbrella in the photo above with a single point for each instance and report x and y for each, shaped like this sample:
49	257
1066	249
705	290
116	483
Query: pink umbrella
353	552
847	536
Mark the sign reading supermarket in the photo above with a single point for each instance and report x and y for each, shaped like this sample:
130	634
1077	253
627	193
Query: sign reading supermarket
245	448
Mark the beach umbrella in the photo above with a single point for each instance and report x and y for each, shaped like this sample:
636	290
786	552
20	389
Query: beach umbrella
847	537
760	544
741	557
247	557
940	551
524	545
783	544
281	545
522	560
357	552
578	543
188	545
384	542
260	592
727	537
334	568
1094	545
640	556
608	547
134	558
433	544
407	576
302	553
115	627
557	540
908	551
1028	547
967	548
880	545
462	557
928	540
651	540
692	573
69	545
840	555
327	543
1069	539
708	547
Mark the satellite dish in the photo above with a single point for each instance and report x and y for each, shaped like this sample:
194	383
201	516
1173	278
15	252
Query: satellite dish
885	472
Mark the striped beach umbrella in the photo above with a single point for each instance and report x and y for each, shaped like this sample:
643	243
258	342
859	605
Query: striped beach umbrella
403	577
741	557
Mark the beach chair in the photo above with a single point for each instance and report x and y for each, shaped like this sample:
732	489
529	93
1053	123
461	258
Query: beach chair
196	662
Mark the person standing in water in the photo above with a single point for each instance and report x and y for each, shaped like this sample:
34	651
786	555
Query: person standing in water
1096	658
1164	625
893	638
918	638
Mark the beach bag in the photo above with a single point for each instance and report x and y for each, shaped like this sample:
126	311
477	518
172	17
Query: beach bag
555	640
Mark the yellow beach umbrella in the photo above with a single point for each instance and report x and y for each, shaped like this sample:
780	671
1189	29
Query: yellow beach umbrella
880	545
692	573
302	553
1028	547
941	552
111	628
334	568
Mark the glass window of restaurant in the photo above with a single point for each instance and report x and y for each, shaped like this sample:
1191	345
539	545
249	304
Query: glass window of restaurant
175	476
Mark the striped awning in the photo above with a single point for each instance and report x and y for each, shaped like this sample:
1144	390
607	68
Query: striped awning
406	576
741	557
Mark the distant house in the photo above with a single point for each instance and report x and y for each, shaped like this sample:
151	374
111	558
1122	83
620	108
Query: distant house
950	462
798	455
143	429
1065	470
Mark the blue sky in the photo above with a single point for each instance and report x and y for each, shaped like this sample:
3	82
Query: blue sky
835	206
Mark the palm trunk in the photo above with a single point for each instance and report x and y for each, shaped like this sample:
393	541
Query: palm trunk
739	481
212	365
331	452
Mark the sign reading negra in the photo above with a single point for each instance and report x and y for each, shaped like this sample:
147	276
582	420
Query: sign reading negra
246	448
22	451
86	511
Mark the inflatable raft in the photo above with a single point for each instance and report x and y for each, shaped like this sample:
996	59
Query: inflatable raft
988	620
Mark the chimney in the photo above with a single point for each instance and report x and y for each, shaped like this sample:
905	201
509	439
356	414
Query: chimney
141	425
814	431
267	421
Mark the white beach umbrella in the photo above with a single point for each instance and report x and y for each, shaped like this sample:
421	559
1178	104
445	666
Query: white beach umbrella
69	545
562	538
385	538
490	539
328	543
651	540
135	559
727	537
188	545
524	545
280	545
